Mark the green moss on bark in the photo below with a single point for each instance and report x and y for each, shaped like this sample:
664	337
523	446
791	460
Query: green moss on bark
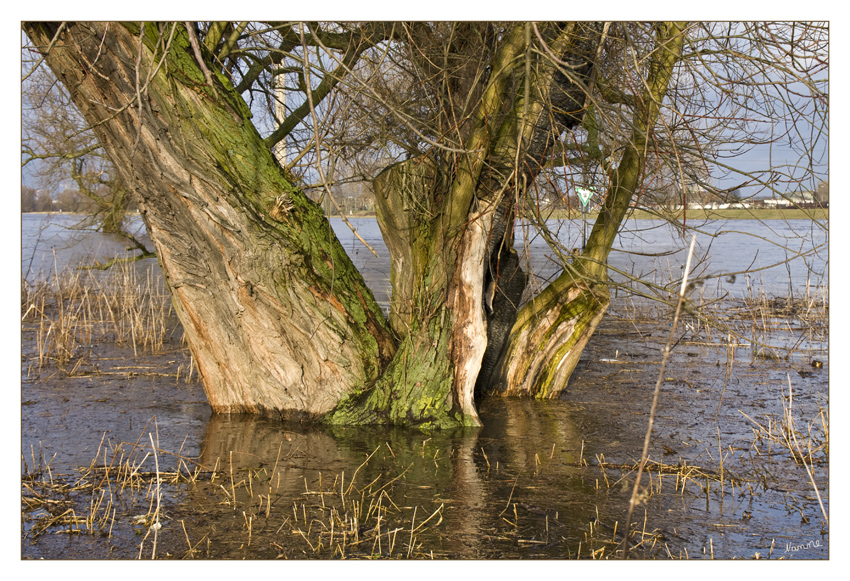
207	182
549	336
256	180
416	388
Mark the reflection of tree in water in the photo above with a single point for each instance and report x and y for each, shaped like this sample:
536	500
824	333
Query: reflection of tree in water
466	481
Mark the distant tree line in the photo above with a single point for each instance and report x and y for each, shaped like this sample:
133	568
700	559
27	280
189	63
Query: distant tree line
68	200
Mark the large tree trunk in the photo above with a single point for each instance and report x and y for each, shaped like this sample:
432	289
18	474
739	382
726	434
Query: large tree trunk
276	316
437	281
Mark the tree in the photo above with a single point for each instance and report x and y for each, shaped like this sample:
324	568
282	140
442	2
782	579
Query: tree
57	140
454	123
29	199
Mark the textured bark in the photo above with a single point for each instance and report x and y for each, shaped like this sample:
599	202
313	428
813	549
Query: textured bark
548	338
276	316
414	234
469	333
552	330
435	309
418	386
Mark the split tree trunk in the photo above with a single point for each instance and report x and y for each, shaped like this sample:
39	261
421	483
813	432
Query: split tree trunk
436	276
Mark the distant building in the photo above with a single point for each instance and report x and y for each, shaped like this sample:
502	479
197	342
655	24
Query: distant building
720	206
798	200
822	194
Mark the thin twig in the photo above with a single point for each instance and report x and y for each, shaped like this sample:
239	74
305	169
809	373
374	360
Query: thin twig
800	452
196	48
644	455
155	526
318	146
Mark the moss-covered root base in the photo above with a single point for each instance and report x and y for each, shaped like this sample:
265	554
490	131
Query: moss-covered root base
548	339
415	390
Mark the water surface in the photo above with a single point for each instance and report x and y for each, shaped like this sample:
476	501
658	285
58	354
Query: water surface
546	479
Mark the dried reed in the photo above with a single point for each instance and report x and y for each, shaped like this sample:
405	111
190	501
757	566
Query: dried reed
74	309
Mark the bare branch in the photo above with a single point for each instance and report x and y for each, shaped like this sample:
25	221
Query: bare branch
45	52
193	40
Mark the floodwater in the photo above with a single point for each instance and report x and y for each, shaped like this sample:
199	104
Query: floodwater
541	479
735	257
738	257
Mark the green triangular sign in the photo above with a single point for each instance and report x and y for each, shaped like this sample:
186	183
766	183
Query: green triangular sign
584	195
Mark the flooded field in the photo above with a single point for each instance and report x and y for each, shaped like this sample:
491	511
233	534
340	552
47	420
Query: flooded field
121	457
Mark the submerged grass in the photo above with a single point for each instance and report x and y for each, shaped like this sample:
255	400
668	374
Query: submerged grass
124	486
772	328
152	503
74	310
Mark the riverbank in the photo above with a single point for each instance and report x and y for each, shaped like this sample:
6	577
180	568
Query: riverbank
705	215
744	214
